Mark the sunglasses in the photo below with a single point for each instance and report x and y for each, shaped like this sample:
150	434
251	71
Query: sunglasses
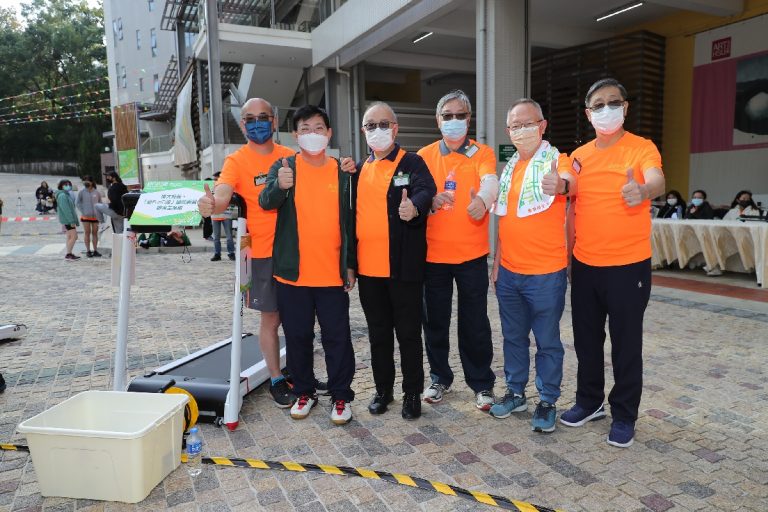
260	117
613	105
460	116
384	125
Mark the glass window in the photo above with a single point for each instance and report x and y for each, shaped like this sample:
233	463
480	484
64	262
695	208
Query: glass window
120	28
156	83
123	77
114	31
151	4
153	41
138	39
141	84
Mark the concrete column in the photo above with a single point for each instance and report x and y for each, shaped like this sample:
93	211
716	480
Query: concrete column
338	94
214	81
502	54
181	55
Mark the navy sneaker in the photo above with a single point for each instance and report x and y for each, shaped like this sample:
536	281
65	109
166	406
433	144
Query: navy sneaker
622	434
577	416
544	417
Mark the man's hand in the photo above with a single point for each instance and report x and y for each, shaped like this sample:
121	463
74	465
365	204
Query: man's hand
441	199
550	182
407	209
350	280
348	165
476	208
285	176
632	192
206	203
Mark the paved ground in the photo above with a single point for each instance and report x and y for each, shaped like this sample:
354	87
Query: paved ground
701	442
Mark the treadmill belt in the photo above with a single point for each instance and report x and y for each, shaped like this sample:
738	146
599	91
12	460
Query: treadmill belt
215	364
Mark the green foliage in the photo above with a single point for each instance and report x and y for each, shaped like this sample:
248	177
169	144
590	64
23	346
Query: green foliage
59	43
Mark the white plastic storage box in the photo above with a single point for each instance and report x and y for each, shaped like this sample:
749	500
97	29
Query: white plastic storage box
106	445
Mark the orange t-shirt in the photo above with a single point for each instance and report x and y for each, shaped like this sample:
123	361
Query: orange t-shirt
535	244
608	232
246	172
452	235
318	224
372	216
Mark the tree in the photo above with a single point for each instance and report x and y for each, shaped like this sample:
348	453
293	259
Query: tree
59	50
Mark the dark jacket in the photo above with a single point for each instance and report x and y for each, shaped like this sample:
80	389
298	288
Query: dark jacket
407	240
115	195
285	250
666	211
703	212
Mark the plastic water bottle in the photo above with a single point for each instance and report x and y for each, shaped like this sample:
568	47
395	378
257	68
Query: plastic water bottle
450	188
679	212
194	453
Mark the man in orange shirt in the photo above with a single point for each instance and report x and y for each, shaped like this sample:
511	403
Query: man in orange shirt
457	249
393	194
245	172
618	174
529	270
314	256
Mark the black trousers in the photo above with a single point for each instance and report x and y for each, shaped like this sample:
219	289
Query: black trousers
390	307
474	328
298	306
621	294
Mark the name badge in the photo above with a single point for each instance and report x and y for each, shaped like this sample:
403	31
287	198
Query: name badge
260	180
470	152
402	180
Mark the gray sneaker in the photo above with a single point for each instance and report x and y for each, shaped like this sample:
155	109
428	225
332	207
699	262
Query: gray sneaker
434	393
512	402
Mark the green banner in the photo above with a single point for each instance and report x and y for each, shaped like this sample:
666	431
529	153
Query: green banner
128	165
168	203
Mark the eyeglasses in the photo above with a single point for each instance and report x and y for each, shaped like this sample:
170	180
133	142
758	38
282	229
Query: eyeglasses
384	125
460	116
260	117
613	105
516	127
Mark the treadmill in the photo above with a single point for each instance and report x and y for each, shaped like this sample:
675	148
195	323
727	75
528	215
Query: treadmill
207	373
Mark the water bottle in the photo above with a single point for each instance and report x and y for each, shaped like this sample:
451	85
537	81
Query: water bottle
194	451
679	212
450	188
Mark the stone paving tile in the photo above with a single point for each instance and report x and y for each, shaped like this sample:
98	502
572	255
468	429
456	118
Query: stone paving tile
700	445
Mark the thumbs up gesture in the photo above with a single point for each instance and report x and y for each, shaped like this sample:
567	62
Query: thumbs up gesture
476	208
285	176
407	209
206	203
550	182
633	193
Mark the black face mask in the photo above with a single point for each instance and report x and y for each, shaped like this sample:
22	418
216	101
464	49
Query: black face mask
744	204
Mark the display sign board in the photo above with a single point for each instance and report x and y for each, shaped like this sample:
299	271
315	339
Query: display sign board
164	203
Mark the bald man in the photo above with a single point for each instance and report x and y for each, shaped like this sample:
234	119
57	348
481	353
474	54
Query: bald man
245	172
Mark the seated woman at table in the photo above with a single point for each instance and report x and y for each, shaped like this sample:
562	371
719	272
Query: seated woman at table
673	208
742	205
699	208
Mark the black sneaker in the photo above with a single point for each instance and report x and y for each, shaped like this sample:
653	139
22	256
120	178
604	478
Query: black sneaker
282	394
321	387
216	257
2	383
96	254
231	256
89	254
411	406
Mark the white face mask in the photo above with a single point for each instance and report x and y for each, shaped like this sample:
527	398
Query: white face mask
672	201
608	120
378	139
526	140
313	143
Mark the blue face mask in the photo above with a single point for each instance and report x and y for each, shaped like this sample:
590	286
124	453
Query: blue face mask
67	187
455	129
259	131
697	201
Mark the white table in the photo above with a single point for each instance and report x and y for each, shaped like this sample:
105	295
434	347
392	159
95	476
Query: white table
733	245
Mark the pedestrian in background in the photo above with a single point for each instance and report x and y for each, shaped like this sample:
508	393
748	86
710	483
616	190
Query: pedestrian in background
65	209
87	199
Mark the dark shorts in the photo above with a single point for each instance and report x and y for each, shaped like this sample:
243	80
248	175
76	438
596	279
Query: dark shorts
89	219
262	294
69	226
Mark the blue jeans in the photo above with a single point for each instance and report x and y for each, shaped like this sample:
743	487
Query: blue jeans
217	225
532	302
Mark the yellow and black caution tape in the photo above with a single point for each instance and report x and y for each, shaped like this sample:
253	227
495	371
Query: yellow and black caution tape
395	478
13	447
371	474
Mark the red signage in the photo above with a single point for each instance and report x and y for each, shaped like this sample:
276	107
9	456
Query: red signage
721	49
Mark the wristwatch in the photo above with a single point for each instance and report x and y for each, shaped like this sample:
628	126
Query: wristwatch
567	187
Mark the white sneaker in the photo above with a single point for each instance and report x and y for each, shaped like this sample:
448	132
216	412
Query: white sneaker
302	406
714	272
434	393
484	400
341	412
